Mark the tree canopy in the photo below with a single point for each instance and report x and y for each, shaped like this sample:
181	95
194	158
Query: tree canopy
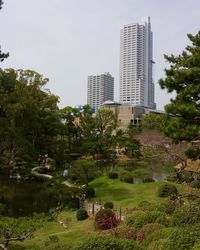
183	78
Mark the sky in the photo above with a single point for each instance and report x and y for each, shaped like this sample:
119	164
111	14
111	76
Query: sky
67	40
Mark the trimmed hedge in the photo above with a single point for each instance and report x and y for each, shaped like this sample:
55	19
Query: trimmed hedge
81	214
108	204
167	190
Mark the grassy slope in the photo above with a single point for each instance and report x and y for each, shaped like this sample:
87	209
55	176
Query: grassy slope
120	193
125	194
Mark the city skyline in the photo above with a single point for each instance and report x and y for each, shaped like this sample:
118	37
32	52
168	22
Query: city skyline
68	40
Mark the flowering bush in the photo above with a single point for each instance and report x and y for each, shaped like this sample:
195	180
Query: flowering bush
106	219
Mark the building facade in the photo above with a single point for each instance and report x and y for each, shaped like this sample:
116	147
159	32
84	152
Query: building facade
100	89
136	64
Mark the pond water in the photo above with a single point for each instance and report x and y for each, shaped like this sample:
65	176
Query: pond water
25	198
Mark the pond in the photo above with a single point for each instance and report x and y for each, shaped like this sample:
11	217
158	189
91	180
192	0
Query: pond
26	198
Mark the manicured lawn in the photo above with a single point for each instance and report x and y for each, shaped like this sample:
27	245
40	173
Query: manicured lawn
124	194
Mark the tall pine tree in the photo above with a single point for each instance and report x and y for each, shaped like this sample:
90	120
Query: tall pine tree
183	78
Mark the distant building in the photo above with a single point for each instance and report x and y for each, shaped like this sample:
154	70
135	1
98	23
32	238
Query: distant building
100	89
127	114
136	64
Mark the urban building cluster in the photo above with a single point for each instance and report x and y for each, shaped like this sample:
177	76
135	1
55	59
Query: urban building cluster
136	77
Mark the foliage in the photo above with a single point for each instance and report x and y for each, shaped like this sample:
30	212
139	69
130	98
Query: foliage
170	207
105	219
81	214
167	190
130	219
29	118
183	78
105	242
113	175
83	171
146	218
195	184
51	239
126	177
153	122
88	192
74	204
108	204
183	238
19	229
97	132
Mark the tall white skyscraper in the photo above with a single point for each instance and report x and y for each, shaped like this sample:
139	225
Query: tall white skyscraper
100	89
136	64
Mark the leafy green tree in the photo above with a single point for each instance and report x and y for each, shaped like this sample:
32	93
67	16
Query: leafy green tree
183	78
29	117
18	229
83	171
98	132
153	121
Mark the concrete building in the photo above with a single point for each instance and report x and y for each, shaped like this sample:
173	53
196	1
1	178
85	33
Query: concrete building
127	114
136	64
100	89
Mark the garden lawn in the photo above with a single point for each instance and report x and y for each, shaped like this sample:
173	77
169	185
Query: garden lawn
123	194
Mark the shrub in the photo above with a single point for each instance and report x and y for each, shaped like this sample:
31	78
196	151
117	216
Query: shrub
81	214
195	184
51	239
108	205
89	192
126	177
105	219
130	219
148	179
167	190
162	220
151	206
112	175
146	218
105	242
74	204
124	232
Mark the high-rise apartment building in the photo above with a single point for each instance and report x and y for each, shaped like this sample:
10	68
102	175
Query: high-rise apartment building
136	64
100	89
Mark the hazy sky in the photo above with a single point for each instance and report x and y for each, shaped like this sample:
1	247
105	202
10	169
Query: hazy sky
67	40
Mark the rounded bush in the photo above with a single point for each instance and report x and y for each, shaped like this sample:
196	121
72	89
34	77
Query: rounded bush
126	177
106	219
81	214
195	184
112	175
148	179
130	219
108	205
167	190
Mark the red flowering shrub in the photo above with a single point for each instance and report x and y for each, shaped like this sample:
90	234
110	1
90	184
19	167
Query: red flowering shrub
106	219
140	236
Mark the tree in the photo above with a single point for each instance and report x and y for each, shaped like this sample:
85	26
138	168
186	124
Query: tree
18	229
183	78
98	131
29	120
83	171
153	121
2	55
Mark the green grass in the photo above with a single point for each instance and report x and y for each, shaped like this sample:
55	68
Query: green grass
124	194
